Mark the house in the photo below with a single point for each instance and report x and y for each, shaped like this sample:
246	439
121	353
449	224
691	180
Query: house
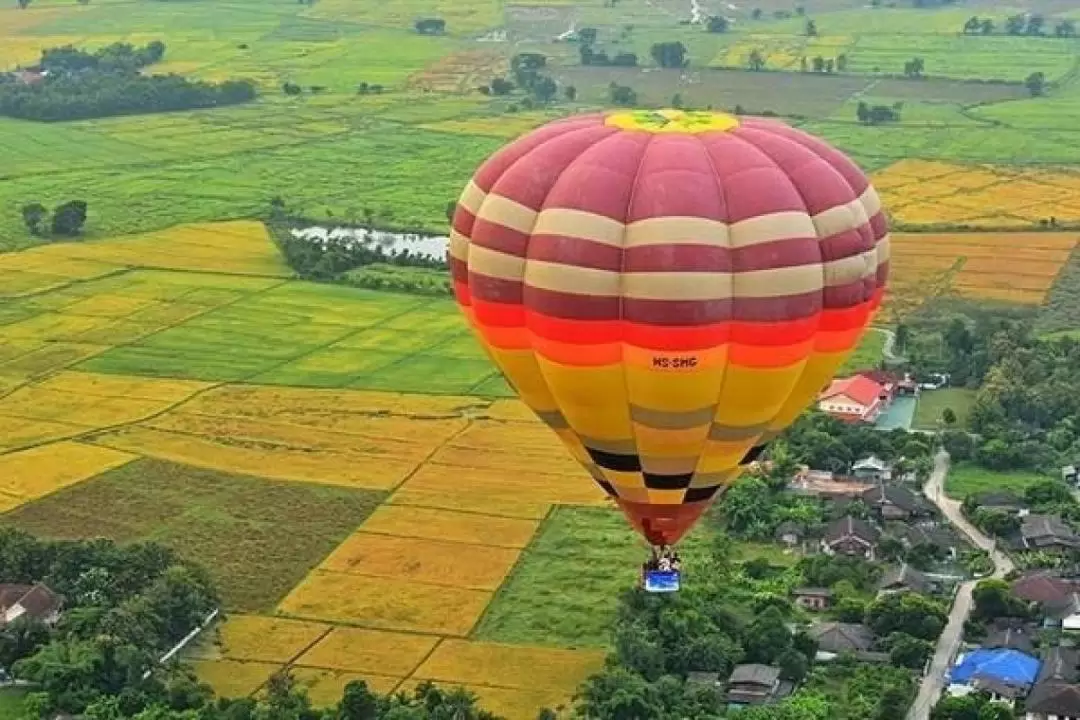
1003	673
32	601
904	578
1045	532
756	685
813	598
1043	588
873	469
837	638
893	502
1066	614
790	533
1001	500
940	536
1056	695
1071	474
850	536
1012	636
856	399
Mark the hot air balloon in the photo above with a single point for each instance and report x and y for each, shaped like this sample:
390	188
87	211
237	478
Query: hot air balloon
668	291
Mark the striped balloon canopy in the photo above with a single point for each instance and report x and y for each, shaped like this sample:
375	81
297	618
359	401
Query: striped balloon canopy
668	291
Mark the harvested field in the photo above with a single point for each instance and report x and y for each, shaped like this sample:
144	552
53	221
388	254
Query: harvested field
385	604
508	666
32	474
461	72
918	192
1014	267
267	639
457	527
369	651
431	562
257	538
234	678
16	432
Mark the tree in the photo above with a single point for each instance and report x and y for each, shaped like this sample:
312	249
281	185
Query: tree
586	35
986	27
972	25
717	24
34	215
23	4
907	651
841	62
676	101
1015	24
993	599
1035	24
69	218
914	614
570	92
291	89
793	665
767	637
622	95
1036	84
914	68
544	89
1066	28
501	86
669	54
1047	492
819	64
756	61
358	702
948	416
958	444
430	26
757	13
829	65
811	28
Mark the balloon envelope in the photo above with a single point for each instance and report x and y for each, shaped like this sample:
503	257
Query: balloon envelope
668	291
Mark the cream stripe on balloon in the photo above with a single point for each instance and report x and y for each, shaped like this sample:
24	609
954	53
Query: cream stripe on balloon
495	264
571	279
508	213
884	248
581	224
850	269
841	218
459	246
472	197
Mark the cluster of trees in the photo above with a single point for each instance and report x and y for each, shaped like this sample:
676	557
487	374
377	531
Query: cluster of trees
976	706
821	64
622	95
67	219
825	443
878	114
669	54
1027	412
914	67
124	608
1021	24
81	85
526	68
730	616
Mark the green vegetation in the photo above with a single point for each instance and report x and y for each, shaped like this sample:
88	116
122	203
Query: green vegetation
867	356
257	538
560	592
11	704
932	403
1062	306
967	478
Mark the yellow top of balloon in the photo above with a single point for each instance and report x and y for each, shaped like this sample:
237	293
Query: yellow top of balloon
673	121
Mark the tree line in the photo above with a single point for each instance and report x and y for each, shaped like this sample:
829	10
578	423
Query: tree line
1033	25
77	85
67	219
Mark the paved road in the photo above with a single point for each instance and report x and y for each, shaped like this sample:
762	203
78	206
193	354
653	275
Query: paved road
949	642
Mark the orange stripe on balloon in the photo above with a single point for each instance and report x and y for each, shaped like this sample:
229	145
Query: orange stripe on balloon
772	356
506	338
499	314
575	355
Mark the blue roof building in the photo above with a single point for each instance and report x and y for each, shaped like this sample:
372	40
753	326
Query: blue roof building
1003	672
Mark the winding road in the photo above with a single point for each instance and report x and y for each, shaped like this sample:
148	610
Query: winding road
949	642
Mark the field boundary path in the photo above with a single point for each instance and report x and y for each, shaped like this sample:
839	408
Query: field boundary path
933	681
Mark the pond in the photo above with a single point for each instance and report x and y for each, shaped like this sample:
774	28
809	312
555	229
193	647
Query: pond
430	246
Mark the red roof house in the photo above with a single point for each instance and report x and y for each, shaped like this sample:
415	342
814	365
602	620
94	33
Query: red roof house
855	399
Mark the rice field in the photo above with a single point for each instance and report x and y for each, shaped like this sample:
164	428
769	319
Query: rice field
918	192
32	474
258	538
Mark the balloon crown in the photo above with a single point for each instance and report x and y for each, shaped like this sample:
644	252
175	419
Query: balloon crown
673	121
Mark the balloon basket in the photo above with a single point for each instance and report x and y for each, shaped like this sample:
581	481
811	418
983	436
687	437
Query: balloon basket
660	581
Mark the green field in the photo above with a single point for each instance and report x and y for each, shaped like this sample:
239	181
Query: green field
337	154
562	591
256	537
965	478
933	402
11	702
867	355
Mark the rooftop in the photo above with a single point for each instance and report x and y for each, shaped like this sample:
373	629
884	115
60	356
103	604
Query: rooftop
861	389
1001	665
850	526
